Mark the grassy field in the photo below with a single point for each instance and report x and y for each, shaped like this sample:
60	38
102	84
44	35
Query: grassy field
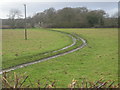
98	59
16	50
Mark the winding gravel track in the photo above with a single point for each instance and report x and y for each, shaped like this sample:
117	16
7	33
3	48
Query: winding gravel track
54	56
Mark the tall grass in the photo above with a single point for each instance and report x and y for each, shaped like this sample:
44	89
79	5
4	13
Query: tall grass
18	81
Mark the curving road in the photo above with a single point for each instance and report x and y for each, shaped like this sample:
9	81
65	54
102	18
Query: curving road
54	56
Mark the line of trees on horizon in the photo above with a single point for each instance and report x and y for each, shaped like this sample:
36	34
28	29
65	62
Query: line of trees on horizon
68	17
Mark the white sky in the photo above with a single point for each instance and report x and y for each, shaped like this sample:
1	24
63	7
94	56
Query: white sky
34	6
59	1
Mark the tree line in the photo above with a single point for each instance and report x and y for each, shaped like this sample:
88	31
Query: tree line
68	17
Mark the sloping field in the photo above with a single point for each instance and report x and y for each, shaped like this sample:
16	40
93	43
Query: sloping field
99	59
16	50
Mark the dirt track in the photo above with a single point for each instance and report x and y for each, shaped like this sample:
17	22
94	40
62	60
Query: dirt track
54	56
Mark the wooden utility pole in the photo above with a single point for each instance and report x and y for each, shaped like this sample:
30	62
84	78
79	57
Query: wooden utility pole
25	23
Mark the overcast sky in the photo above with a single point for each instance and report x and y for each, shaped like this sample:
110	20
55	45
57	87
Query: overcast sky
38	6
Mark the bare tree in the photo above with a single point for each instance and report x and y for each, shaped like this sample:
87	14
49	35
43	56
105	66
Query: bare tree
13	15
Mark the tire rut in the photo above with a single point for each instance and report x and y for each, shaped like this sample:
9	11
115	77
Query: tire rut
54	56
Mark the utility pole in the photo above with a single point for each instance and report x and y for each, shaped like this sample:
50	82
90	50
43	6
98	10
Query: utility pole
25	23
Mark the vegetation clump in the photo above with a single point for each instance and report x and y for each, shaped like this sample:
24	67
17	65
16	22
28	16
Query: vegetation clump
19	81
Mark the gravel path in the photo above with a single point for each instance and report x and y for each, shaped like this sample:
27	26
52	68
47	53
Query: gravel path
45	59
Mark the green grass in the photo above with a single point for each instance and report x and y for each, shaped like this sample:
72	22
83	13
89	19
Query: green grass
98	59
16	50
